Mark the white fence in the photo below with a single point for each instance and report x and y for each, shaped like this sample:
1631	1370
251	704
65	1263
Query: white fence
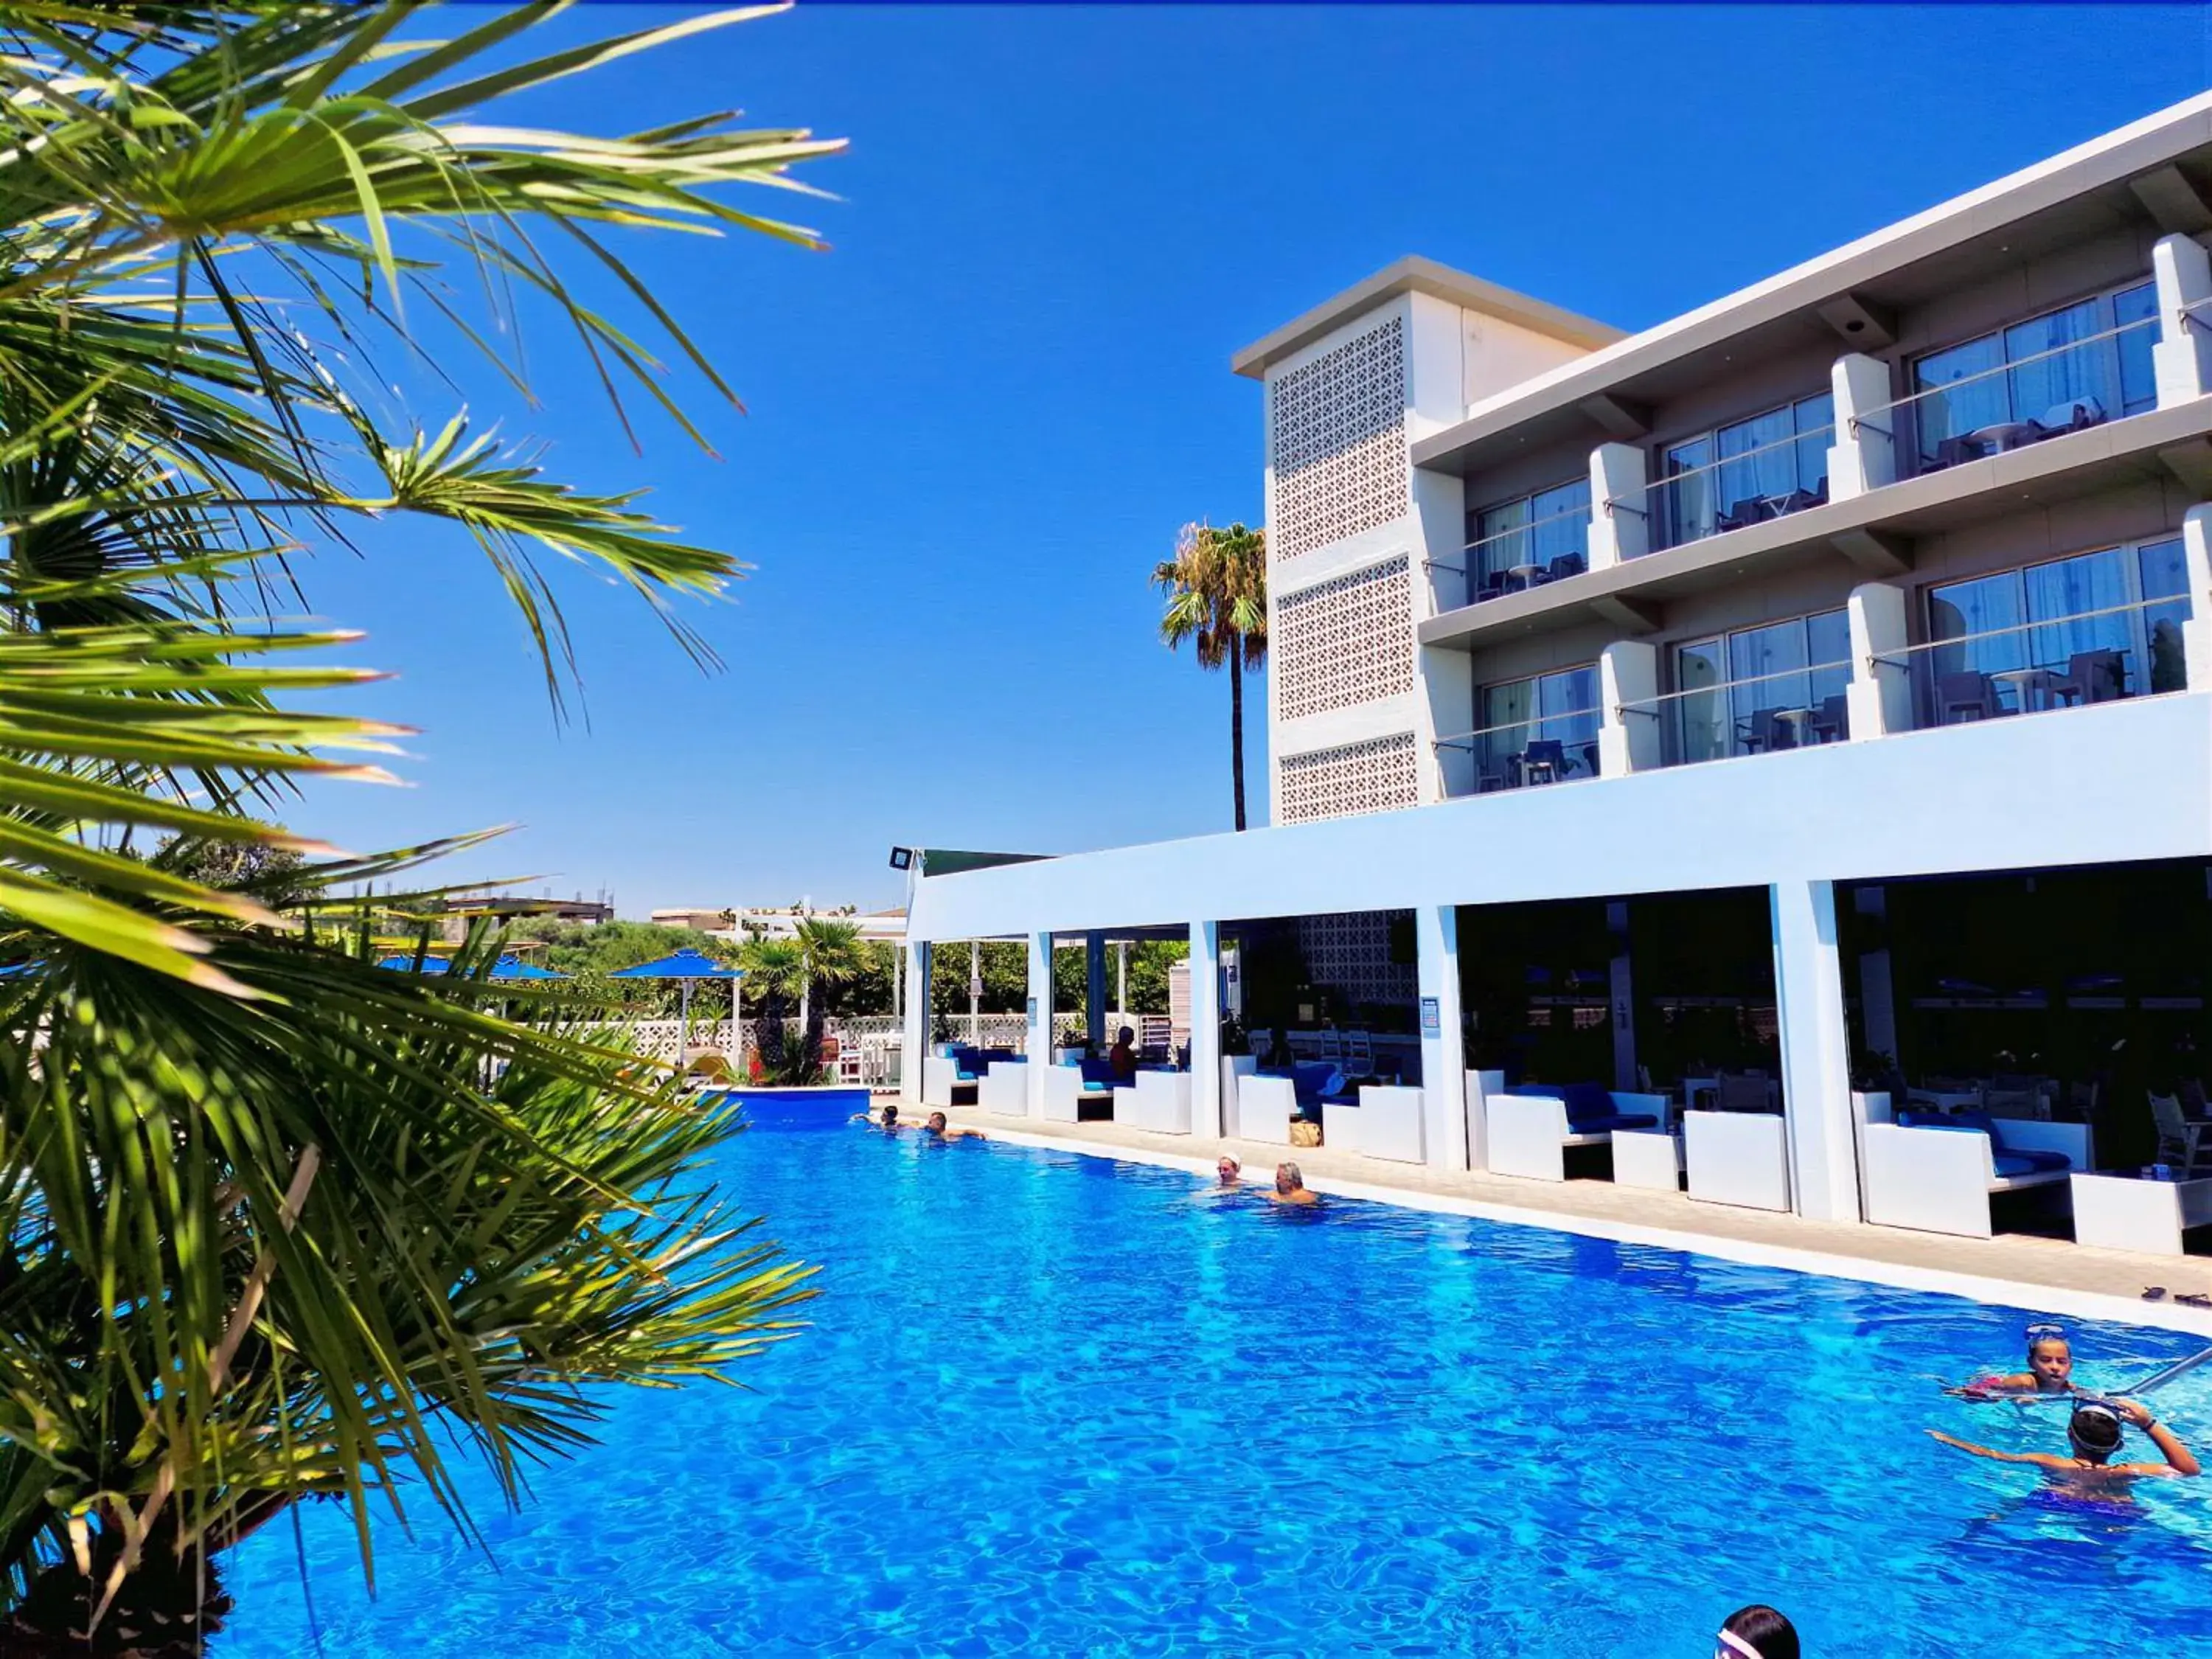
868	1045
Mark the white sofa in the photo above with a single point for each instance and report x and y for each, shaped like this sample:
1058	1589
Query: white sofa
1264	1106
1235	1068
1004	1089
1738	1157
1941	1181
1529	1135
1387	1123
1481	1086
1159	1101
940	1077
1652	1159
1065	1092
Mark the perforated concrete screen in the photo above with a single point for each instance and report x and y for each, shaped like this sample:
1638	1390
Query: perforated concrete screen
1375	775
1336	438
1345	641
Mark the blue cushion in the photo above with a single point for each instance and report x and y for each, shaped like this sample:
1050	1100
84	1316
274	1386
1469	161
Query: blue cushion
1315	1080
2038	1160
2009	1165
1586	1102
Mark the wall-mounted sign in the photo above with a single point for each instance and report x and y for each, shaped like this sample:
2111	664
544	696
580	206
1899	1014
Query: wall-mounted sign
1032	1011
1433	1017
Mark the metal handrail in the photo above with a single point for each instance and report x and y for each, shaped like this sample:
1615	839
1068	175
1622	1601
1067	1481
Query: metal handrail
1637	705
1856	421
1892	661
1466	739
2189	317
1586	515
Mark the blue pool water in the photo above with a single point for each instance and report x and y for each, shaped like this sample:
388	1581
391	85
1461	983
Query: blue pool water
1051	1405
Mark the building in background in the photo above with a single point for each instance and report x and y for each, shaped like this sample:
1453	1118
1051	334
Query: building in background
781	921
1813	690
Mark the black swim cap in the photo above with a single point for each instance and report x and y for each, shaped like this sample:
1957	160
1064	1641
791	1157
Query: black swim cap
2095	1427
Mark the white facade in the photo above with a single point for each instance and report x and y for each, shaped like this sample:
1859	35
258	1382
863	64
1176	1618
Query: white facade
1918	489
780	921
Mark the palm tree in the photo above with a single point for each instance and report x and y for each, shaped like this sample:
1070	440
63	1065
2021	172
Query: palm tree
299	1140
775	972
1217	597
835	958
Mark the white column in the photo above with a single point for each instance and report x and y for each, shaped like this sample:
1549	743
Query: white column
914	1038
1206	1028
1628	738
1443	1049
1863	455
2181	361
1038	1047
1094	991
1880	695
1816	1072
2196	632
1620	521
976	992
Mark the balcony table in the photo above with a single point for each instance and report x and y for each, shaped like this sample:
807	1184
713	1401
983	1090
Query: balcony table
2006	435
2114	1210
1527	575
2028	683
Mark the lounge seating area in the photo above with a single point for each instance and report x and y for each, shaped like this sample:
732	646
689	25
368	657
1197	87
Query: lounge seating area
1532	1128
1758	509
1948	1172
1079	1093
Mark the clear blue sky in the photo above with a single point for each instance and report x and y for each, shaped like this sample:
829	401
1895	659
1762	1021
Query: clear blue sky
976	422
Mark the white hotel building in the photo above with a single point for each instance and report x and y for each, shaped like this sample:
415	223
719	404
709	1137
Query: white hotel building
1865	614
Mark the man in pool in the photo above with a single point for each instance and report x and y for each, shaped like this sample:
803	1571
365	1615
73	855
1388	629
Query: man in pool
887	1119
2049	1369
937	1128
1229	1172
2094	1432
1290	1185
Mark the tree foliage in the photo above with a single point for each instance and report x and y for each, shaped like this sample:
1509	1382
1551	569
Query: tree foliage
271	1233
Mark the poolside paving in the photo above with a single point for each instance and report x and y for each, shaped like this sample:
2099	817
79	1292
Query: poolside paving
2049	1276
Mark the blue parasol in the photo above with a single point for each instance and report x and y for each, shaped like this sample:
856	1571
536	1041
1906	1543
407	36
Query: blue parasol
508	967
688	966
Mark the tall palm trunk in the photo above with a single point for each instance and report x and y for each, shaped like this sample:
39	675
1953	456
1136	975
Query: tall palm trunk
1236	722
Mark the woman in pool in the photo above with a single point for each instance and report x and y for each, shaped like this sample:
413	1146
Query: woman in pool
1756	1632
2094	1432
1290	1185
2049	1369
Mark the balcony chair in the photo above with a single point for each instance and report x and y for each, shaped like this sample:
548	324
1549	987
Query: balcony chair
2075	415
1487	781
1590	758
1832	720
1544	761
2091	676
2180	1142
1566	565
1952	452
1744	513
1491	585
1763	731
1964	696
1798	499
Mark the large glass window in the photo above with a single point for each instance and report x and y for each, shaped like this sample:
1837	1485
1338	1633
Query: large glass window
1781	686
2054	373
2086	628
1540	538
1761	468
1540	729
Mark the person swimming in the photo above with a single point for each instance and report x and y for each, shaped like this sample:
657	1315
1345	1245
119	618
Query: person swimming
2049	1369
938	1128
1757	1632
1290	1187
2094	1434
1228	1172
886	1119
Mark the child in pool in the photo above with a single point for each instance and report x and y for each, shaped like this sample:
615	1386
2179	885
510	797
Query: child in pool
2049	1369
2093	1435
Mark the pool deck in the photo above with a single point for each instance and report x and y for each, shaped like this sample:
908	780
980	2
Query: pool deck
2047	1275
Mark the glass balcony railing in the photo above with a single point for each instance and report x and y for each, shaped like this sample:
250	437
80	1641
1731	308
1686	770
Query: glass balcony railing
1511	560
2106	655
1979	399
1747	486
1519	754
1797	707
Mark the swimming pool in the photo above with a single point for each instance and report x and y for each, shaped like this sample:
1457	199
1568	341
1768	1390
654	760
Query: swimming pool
1055	1405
